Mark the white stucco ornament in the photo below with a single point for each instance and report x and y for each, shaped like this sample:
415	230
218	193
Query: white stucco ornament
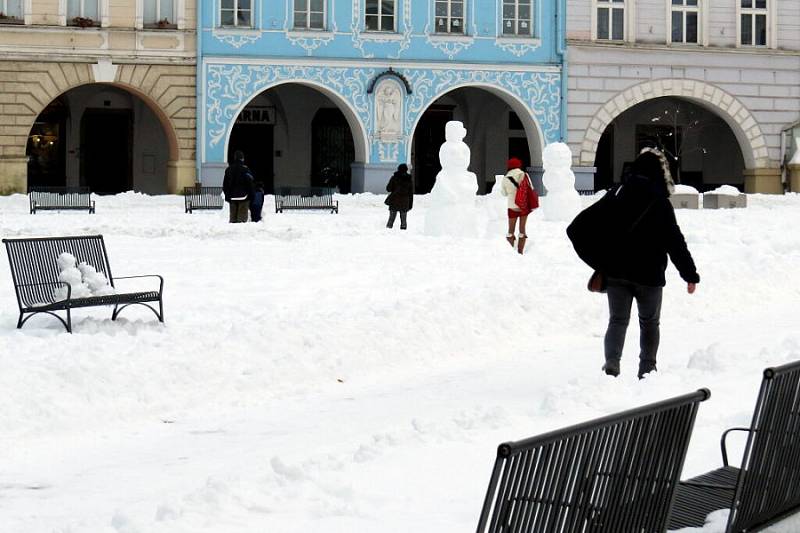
389	111
452	206
562	202
104	71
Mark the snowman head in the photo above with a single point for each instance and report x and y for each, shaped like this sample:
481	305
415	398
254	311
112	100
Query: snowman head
454	131
557	156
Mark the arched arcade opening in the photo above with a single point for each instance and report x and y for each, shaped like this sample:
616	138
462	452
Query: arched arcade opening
702	148
103	137
298	135
498	127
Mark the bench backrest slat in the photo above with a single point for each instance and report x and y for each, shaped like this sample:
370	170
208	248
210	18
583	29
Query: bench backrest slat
59	197
203	197
304	197
616	473
33	261
769	478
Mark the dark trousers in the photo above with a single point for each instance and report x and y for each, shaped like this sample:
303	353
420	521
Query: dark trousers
239	210
393	216
648	299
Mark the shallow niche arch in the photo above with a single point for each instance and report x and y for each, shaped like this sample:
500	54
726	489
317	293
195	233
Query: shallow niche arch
498	124
286	122
92	125
742	123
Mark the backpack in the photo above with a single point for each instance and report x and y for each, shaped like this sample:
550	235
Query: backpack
526	198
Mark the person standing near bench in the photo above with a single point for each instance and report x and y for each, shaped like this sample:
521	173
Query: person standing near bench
401	196
238	188
257	202
626	236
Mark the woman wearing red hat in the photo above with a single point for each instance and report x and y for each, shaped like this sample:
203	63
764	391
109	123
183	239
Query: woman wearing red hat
514	178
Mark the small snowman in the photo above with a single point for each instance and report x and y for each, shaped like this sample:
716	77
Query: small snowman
562	202
97	282
452	200
69	274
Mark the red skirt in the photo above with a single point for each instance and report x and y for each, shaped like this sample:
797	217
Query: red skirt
516	214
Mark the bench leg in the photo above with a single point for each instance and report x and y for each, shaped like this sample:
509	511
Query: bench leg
159	314
66	323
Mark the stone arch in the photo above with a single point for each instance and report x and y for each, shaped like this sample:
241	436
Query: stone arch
533	129
360	137
744	126
168	91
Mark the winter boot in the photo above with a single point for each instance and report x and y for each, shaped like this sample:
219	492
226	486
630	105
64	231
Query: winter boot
511	239
521	242
645	367
611	368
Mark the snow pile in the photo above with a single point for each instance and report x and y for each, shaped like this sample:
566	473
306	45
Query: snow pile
685	189
562	202
452	202
83	279
726	190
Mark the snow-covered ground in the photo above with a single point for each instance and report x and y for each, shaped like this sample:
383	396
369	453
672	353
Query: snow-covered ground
321	373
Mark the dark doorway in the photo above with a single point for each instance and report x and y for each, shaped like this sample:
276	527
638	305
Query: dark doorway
332	150
256	142
106	150
428	138
604	161
518	147
46	149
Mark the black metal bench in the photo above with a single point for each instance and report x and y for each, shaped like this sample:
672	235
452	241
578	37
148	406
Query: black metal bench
60	198
305	198
766	487
616	474
34	272
199	197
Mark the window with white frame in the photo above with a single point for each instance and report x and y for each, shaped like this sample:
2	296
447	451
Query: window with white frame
159	13
685	20
309	14
11	10
610	20
518	17
380	15
82	9
450	16
236	13
753	22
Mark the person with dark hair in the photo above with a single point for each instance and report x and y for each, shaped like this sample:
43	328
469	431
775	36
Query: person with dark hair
257	202
626	237
238	188
401	196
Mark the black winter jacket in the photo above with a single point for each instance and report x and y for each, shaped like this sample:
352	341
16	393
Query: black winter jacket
401	192
238	182
629	233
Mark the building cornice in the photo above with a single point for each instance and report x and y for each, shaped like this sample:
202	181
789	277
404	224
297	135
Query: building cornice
689	49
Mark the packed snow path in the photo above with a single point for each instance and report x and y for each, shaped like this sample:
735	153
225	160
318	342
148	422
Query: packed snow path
320	373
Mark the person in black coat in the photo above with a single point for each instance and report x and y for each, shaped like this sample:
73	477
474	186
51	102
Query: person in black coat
257	202
238	187
627	236
401	196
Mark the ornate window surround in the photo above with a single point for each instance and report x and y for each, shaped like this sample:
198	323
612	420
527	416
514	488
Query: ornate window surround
629	35
772	25
179	15
702	22
102	6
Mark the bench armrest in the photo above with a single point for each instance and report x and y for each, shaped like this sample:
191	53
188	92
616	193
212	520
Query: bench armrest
160	280
46	283
723	444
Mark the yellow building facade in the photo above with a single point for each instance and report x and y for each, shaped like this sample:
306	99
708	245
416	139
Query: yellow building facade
97	93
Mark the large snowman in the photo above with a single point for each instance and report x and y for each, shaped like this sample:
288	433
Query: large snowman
451	203
562	202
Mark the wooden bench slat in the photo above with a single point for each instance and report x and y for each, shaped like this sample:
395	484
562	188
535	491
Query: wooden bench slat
617	473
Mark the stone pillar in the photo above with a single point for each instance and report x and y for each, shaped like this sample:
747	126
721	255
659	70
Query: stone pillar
180	174
763	180
794	176
13	175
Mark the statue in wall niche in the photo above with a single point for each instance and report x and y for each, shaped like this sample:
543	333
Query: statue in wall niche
388	107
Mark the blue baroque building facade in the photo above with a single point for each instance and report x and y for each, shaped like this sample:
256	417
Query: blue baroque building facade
321	91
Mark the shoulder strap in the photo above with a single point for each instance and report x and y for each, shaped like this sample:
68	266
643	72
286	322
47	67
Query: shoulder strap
512	180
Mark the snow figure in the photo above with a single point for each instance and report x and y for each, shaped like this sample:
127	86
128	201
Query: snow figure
452	206
562	201
97	282
69	274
